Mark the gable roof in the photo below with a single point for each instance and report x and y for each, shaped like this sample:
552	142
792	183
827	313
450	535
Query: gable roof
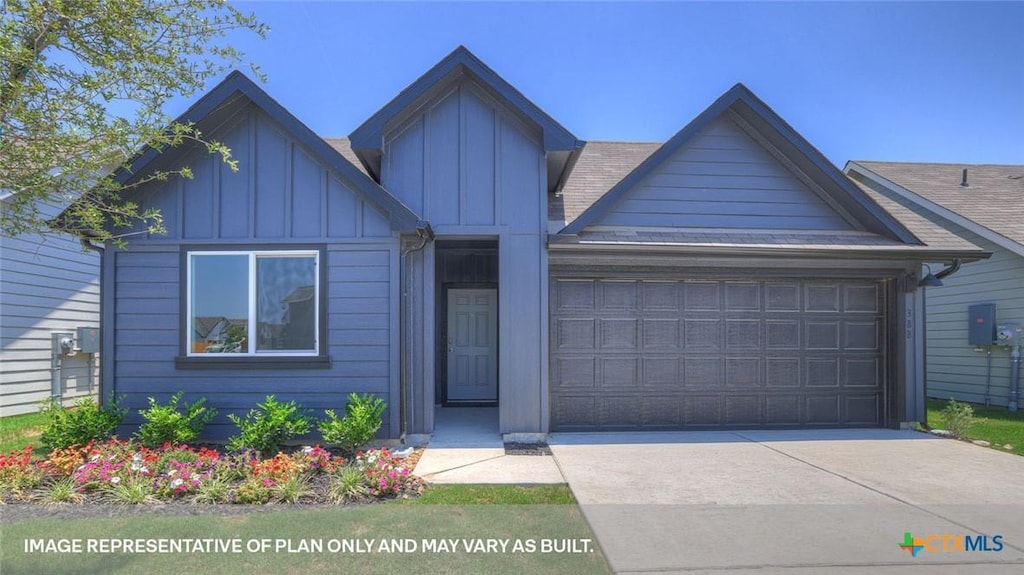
598	168
991	205
368	139
602	164
235	90
749	109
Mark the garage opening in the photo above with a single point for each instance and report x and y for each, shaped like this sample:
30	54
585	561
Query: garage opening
658	353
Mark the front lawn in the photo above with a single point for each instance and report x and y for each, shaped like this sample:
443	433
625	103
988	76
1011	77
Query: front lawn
494	495
994	425
20	431
410	534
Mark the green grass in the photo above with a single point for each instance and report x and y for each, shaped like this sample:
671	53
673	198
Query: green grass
994	425
20	431
377	522
495	495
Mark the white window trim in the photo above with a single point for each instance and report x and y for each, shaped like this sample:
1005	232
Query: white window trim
252	311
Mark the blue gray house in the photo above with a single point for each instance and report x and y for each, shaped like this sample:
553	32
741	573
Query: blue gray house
463	247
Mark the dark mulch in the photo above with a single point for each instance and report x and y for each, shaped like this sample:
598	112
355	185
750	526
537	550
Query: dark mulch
97	505
527	449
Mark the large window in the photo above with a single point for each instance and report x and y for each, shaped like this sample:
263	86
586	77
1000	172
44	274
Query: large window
263	303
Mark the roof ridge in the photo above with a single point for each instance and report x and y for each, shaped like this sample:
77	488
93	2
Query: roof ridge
967	164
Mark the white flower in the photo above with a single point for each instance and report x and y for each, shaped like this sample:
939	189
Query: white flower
307	450
177	482
195	477
172	472
115	480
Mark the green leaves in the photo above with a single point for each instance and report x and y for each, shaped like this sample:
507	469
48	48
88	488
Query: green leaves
267	428
83	86
168	424
86	421
361	422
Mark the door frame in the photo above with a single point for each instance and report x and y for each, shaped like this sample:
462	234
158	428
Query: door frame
441	348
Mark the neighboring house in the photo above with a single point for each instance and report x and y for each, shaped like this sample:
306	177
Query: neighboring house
462	247
48	284
984	204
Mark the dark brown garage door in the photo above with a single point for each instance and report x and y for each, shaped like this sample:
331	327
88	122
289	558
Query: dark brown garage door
657	354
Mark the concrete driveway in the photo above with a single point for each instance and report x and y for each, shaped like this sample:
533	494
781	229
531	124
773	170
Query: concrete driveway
795	501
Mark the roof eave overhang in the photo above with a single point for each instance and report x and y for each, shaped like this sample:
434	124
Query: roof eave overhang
570	244
934	208
559	144
217	105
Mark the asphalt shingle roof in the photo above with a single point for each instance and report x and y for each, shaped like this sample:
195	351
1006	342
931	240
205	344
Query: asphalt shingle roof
602	164
599	167
993	198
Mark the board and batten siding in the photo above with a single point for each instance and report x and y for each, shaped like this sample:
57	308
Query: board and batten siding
473	167
47	284
722	179
280	197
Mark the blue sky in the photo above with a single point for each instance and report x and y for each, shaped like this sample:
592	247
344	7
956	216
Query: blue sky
883	81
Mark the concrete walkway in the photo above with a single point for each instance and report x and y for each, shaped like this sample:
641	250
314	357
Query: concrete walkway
467	448
793	502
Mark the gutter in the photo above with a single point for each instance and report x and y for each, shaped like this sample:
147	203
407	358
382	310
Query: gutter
426	235
560	243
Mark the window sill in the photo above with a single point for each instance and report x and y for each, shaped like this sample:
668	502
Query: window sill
300	362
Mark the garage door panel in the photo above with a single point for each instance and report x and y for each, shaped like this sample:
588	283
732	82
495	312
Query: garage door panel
618	295
742	296
783	410
782	372
823	334
822	372
862	299
575	333
702	410
862	335
680	353
702	334
782	334
702	296
702	372
661	334
742	410
576	371
661	371
742	372
661	296
619	372
782	297
862	409
822	409
618	333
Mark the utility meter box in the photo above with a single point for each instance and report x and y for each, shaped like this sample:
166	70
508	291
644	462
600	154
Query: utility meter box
981	324
88	339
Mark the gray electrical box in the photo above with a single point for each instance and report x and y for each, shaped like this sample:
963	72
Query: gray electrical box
981	324
89	339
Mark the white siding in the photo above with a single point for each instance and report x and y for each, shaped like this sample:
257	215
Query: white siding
46	285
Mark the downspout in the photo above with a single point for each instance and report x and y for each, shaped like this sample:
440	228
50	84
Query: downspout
88	245
426	235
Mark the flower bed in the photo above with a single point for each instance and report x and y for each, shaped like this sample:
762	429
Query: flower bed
120	471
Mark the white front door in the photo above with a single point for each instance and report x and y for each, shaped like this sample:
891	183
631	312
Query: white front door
472	345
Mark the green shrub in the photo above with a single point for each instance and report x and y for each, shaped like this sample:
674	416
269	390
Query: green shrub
361	422
86	421
167	424
959	418
267	428
347	483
